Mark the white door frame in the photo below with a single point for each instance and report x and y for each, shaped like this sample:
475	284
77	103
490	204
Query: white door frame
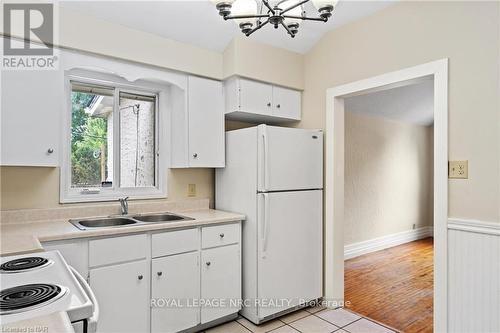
334	182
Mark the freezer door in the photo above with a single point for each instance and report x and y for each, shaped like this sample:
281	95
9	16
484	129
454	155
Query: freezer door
290	159
290	249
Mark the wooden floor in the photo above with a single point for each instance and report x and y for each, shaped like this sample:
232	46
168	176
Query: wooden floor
394	286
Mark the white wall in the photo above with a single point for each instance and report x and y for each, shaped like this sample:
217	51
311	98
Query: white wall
388	177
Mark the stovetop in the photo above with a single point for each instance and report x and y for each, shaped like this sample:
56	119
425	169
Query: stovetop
39	285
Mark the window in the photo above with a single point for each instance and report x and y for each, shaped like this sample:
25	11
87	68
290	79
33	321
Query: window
114	147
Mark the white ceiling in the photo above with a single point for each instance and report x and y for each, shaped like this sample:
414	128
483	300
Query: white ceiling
411	104
198	22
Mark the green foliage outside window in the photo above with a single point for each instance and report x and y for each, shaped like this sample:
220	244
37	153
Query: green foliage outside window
88	143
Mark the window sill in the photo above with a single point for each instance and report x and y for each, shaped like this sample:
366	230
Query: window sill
106	197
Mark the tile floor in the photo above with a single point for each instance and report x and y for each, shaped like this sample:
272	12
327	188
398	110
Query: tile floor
309	320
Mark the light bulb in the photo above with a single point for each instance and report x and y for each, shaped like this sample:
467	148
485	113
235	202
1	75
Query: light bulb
244	7
297	11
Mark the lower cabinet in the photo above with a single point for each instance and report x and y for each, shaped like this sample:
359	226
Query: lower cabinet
220	282
167	282
123	295
175	285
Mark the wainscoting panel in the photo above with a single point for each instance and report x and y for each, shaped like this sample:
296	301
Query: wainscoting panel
473	276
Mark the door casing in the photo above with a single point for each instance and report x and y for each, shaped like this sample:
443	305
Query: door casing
334	176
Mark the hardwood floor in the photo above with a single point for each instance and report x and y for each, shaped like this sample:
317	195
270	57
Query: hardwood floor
394	286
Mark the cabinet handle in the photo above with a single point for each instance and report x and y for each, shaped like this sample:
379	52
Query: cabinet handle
159	273
221	235
208	263
140	277
50	150
278	106
195	155
269	104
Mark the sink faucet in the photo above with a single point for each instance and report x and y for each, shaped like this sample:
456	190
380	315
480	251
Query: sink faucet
124	205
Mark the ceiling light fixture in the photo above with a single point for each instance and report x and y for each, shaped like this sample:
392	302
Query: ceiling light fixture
287	13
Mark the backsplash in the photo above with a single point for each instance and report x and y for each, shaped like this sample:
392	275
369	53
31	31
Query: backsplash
105	209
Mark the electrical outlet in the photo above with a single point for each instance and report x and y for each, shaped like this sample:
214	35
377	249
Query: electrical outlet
458	169
191	190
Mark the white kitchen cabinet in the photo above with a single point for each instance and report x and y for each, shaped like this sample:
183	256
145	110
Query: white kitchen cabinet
31	106
175	278
127	272
198	126
254	101
286	103
123	295
220	280
255	97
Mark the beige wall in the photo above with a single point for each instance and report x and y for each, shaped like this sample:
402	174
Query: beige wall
246	57
388	177
88	33
34	187
411	33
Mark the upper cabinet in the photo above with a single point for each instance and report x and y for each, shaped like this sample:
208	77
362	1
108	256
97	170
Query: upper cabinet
253	101
198	127
30	111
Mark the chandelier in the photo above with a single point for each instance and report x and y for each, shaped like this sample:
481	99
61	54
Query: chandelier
287	13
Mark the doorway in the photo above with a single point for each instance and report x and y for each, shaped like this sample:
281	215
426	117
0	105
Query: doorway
437	72
388	206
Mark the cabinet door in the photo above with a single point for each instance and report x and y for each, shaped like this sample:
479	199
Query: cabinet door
175	279
30	111
256	97
286	103
123	295
206	123
220	282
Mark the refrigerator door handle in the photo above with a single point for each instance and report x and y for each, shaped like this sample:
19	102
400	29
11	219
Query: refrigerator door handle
266	161
265	227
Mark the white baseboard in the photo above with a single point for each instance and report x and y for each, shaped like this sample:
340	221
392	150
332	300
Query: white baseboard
380	243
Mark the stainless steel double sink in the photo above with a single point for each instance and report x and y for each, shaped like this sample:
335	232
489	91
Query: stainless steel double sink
126	220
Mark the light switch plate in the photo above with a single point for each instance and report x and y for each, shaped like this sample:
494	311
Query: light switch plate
458	169
191	190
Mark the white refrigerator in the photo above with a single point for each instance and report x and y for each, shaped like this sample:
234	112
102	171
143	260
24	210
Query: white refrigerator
274	175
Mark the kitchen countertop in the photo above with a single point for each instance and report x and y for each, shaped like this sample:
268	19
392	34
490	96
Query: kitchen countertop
21	238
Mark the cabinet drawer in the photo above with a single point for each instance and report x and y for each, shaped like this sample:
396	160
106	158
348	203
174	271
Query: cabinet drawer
117	249
173	242
220	235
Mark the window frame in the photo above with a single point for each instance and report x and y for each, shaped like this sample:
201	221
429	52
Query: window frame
161	94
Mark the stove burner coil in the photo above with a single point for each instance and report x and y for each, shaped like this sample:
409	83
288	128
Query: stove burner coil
28	297
24	264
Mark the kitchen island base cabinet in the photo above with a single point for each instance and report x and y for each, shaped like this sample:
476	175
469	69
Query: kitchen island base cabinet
123	294
175	286
220	282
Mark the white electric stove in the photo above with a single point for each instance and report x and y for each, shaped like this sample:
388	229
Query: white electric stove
42	283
